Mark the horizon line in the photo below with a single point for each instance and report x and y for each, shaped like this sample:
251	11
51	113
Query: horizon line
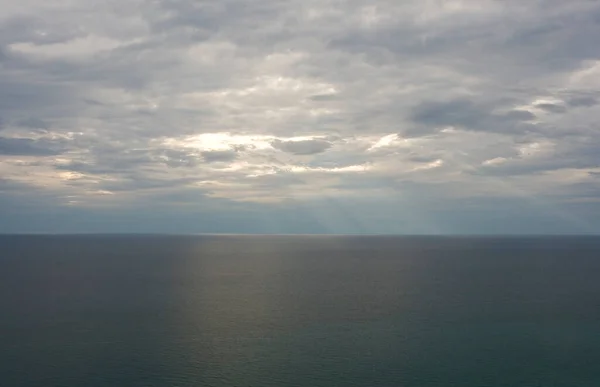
250	234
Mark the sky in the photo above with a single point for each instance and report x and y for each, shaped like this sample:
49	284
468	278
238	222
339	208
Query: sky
300	116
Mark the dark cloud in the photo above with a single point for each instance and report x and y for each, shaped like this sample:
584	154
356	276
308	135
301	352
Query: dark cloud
33	123
463	113
432	116
423	158
568	154
519	115
219	156
323	97
584	101
303	147
29	147
552	107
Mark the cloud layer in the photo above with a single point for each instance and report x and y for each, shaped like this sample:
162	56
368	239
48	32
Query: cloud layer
282	106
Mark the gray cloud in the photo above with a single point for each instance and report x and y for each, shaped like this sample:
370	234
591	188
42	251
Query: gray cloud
302	147
219	156
552	107
28	147
33	123
583	101
323	97
435	115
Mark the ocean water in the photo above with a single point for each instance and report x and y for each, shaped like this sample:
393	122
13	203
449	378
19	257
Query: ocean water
299	311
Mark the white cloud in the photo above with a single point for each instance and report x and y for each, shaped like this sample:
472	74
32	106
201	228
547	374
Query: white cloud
495	161
384	141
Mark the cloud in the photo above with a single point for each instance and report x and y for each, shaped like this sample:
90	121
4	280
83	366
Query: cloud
28	147
583	101
552	107
219	156
33	123
323	97
211	105
302	147
466	114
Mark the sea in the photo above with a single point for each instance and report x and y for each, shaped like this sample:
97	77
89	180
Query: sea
302	311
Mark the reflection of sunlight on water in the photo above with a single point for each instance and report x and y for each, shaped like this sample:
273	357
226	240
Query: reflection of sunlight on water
238	298
226	303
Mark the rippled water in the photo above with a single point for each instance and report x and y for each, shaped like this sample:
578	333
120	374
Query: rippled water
299	311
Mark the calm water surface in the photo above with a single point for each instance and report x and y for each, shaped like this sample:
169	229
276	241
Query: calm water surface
299	311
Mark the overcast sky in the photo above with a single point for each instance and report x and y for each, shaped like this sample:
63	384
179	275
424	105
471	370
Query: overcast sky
300	116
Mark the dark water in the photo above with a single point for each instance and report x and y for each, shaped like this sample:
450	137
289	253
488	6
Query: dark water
299	311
